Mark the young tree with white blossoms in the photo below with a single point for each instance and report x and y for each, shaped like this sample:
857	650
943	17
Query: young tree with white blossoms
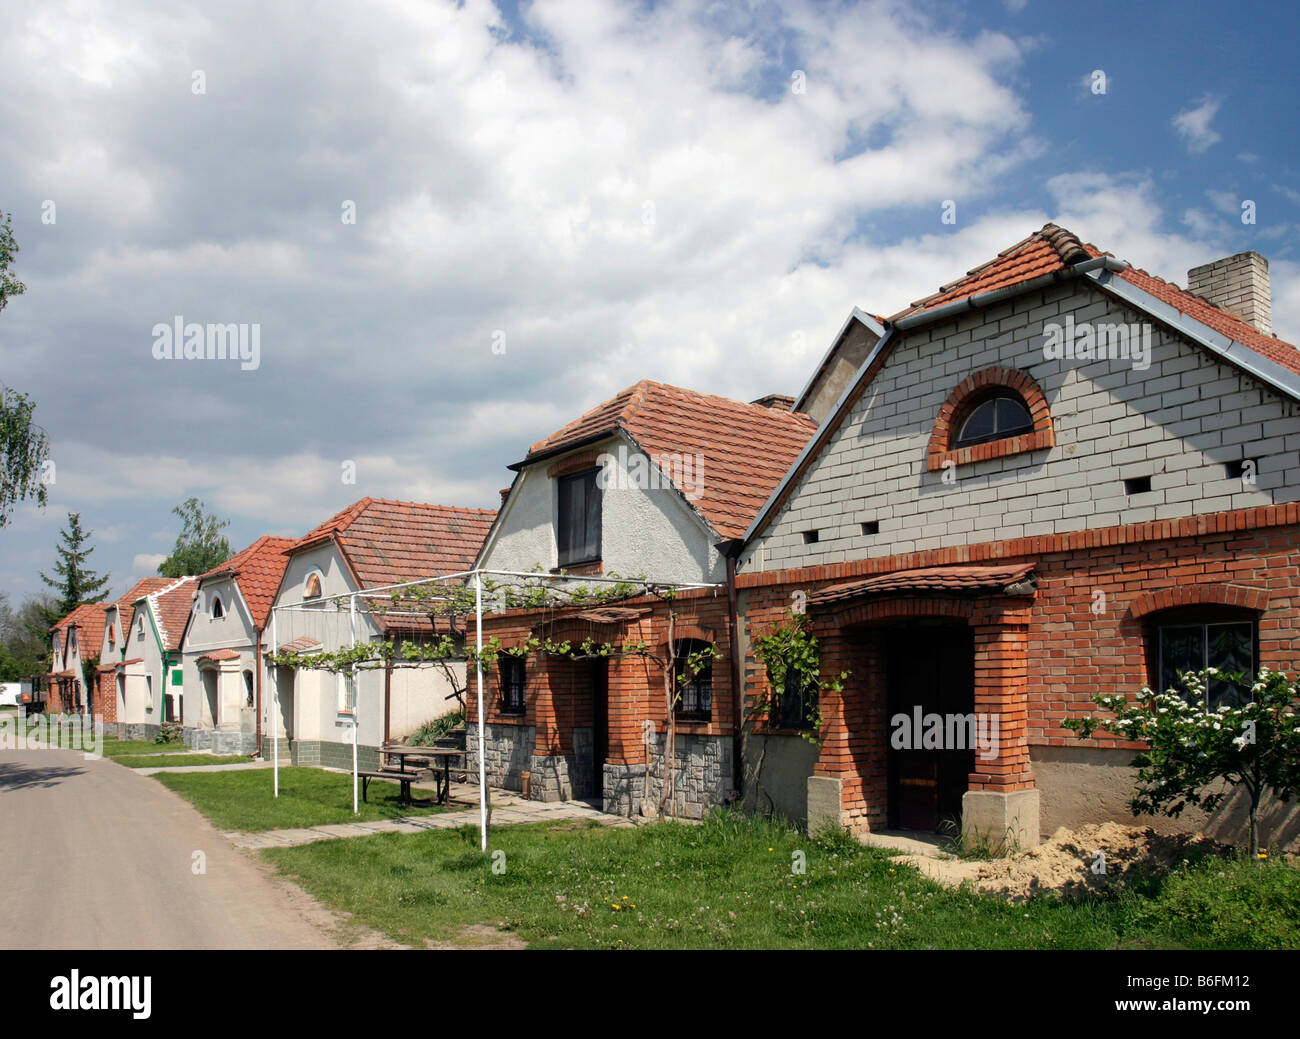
1196	754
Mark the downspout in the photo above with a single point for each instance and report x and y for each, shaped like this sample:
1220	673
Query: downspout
257	670
731	552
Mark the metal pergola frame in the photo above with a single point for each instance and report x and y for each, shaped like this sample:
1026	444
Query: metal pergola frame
475	575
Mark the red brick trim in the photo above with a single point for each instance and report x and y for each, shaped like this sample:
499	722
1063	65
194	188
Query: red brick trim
1200	595
977	385
1256	518
576	462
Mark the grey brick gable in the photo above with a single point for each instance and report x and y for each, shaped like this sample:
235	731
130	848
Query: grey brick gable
1178	422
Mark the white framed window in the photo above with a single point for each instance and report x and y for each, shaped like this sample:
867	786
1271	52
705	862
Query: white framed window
347	690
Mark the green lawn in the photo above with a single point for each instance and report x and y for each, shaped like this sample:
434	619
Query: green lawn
113	747
177	760
728	884
308	797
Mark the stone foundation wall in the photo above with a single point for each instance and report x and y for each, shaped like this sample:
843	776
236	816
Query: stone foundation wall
508	753
221	742
702	778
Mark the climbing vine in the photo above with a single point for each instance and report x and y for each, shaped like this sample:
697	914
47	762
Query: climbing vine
790	646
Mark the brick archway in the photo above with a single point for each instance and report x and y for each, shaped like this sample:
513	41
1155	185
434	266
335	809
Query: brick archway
851	760
1245	597
941	451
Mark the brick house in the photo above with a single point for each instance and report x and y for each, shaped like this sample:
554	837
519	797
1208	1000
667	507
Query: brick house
74	642
371	543
221	648
112	649
657	482
1057	476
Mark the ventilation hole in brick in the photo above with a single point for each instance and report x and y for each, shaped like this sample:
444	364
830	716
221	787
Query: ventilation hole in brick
871	527
1236	470
1137	485
810	537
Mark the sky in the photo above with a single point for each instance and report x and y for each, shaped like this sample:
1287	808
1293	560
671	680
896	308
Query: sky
453	228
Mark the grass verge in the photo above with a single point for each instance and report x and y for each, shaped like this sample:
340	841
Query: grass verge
731	883
178	760
308	797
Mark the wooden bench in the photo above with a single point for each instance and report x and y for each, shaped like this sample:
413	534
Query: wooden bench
404	778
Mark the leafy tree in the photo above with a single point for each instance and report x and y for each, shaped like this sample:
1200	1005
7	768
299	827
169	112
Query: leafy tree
1197	755
23	451
24	638
74	583
200	546
23	445
9	285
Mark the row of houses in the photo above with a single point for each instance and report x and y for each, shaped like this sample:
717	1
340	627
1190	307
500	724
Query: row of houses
1059	475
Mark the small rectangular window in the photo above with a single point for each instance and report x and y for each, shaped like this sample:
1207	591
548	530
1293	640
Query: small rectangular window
577	531
1137	485
811	537
871	527
514	682
792	708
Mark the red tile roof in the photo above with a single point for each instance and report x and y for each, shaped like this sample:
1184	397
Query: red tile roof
743	449
939	578
144	586
301	645
258	570
88	619
171	608
1054	248
390	542
220	654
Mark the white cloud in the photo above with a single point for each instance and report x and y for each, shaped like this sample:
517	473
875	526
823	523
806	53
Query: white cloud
1193	125
145	565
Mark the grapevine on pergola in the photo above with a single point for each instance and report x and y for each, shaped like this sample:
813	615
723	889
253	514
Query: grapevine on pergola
443	606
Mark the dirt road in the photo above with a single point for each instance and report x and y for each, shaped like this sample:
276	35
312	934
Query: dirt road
93	856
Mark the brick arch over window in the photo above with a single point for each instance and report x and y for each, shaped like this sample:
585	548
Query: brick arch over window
1199	595
979	385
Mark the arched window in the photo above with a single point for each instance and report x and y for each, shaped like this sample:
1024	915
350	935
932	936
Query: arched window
311	586
993	418
218	611
990	414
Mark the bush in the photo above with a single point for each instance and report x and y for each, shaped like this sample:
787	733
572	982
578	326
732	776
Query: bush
168	734
425	735
1233	904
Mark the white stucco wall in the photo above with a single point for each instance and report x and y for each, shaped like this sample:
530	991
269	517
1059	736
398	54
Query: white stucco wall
416	694
648	531
234	630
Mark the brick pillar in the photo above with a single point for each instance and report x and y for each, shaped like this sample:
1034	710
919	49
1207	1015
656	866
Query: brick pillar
1001	803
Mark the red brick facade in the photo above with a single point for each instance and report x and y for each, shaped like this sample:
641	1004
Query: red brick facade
1039	658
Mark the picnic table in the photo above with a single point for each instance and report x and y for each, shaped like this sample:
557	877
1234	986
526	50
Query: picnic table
420	758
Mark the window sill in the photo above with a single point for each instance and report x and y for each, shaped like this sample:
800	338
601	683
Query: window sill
587	567
937	458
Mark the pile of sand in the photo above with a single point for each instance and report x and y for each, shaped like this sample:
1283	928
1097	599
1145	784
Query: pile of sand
1069	863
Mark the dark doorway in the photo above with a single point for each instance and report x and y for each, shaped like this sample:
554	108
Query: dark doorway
933	669
598	678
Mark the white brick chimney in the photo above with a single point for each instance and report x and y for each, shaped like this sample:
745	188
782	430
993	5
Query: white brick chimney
1239	285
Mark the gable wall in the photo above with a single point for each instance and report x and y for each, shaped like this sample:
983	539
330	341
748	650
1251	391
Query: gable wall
1178	421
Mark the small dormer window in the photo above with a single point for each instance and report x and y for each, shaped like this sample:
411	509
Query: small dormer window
311	587
218	611
139	628
995	418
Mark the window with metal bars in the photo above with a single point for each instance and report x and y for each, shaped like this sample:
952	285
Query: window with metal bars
694	686
513	671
